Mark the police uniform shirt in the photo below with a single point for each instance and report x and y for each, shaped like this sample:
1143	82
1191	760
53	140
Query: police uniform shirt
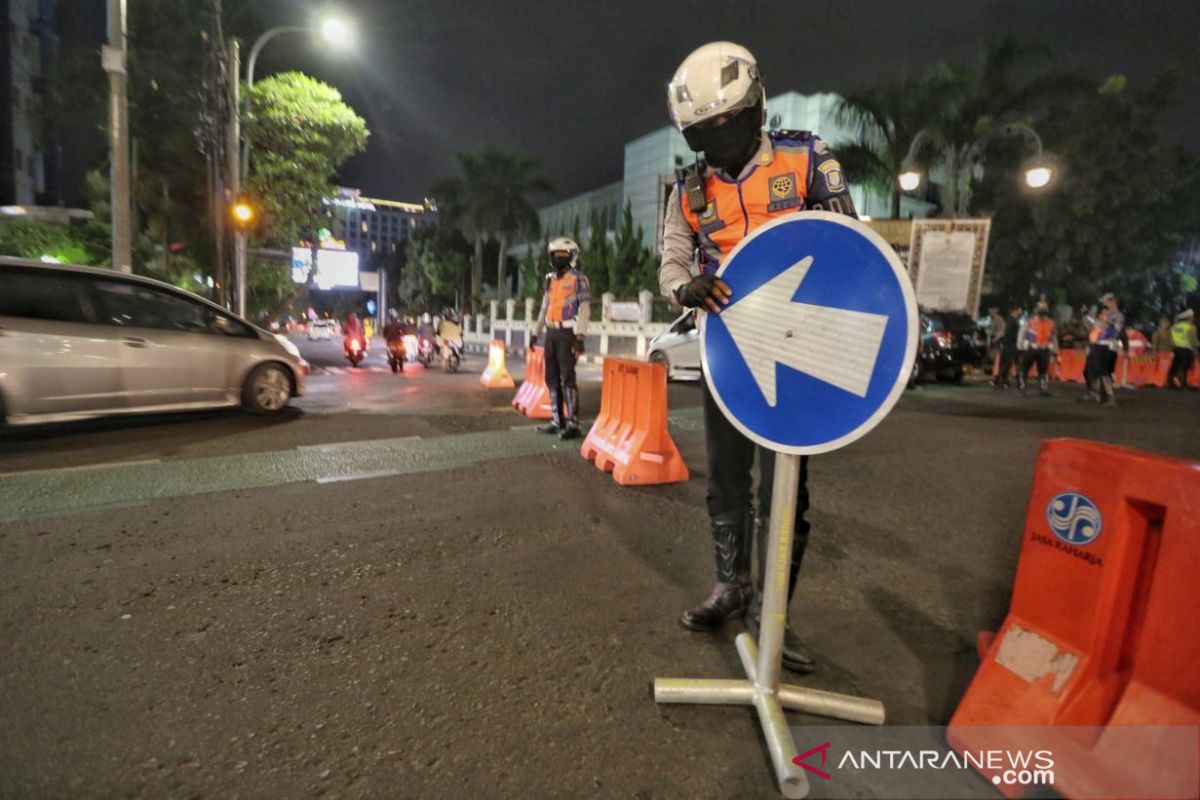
827	190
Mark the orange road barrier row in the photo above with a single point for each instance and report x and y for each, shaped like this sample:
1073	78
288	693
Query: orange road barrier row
629	437
1149	369
1102	630
533	398
496	376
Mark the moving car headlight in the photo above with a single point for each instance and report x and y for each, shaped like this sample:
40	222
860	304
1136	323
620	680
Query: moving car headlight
287	345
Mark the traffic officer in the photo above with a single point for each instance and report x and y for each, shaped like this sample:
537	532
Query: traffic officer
1104	341
1183	337
566	306
1038	340
746	178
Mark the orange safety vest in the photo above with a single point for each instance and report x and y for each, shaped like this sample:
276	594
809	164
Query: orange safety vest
776	185
564	297
1040	331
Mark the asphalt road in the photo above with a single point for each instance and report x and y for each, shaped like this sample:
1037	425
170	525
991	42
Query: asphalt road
398	589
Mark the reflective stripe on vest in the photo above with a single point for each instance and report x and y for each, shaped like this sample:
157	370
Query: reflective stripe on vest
735	208
1180	334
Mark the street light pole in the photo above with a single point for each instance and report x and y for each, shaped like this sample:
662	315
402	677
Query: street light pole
112	58
233	138
259	43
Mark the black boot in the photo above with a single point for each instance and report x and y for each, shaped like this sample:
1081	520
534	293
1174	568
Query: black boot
795	656
555	423
571	428
731	595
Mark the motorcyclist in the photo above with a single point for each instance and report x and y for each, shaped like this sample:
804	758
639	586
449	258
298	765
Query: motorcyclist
393	335
748	177
353	329
449	331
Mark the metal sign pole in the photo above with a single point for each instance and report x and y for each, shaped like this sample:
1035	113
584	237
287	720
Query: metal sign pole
762	661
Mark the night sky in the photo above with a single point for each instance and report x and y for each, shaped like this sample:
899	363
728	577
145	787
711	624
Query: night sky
571	82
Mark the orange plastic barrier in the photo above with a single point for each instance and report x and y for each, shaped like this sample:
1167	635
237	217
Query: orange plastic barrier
496	376
1141	370
629	437
533	398
1070	366
1102	627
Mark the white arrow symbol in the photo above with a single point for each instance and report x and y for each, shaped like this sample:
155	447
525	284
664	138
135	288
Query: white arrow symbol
833	345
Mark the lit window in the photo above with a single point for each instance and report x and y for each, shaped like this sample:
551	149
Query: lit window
364	226
374	246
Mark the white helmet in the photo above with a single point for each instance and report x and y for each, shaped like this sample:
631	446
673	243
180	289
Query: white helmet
714	79
564	243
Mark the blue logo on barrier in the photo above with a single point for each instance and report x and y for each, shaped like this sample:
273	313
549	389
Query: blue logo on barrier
1074	518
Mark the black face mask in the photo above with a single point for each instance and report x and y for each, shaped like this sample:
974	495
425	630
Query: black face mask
560	263
730	146
1042	314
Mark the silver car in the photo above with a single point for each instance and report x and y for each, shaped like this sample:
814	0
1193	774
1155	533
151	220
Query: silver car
78	342
679	347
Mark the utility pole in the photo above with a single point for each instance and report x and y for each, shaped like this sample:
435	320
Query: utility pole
112	58
233	160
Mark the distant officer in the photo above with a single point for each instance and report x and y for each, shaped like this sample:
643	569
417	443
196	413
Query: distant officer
1009	341
566	306
1038	341
1104	341
1183	336
747	178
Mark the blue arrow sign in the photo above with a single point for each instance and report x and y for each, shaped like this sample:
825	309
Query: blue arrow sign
819	337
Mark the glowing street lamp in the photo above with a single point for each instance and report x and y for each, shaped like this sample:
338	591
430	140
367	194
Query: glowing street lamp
910	180
1039	176
335	31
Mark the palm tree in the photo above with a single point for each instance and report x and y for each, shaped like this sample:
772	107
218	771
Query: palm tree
977	103
490	197
888	118
511	179
462	204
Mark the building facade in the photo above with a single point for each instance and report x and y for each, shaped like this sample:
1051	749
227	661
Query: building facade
28	47
378	230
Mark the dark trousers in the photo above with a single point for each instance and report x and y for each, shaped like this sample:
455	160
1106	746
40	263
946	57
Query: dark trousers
1008	356
1039	356
560	361
1181	364
730	460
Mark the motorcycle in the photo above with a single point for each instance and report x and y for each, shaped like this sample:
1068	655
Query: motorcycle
356	349
396	355
425	353
451	355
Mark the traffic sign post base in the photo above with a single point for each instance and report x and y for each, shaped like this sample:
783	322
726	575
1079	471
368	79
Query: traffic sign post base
762	661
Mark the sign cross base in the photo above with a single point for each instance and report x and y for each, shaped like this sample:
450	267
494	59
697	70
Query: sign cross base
769	702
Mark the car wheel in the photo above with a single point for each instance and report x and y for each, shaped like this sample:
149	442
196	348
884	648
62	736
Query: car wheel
659	357
916	375
267	390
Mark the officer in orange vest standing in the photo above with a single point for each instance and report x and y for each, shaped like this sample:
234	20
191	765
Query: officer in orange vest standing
566	306
1037	341
747	177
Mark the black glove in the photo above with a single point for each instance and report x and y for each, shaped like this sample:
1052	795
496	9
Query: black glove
578	345
703	291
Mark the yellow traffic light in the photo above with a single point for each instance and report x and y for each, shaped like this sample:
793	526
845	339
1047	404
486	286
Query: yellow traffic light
243	213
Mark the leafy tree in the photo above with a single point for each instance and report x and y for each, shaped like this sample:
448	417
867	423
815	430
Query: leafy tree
634	266
1106	223
534	269
437	266
76	244
300	132
597	258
